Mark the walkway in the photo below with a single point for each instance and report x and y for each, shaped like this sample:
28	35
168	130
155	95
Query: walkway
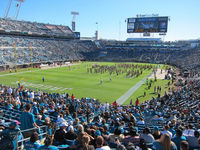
130	92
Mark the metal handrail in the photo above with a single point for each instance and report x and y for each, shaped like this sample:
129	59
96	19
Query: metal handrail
18	141
31	129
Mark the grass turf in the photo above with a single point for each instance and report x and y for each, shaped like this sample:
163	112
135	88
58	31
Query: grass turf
82	84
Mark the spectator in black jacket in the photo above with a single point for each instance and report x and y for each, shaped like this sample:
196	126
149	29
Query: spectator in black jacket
71	135
60	135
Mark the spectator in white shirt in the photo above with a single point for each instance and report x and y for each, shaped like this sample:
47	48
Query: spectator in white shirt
32	95
10	90
147	136
189	131
167	131
141	121
17	100
100	142
107	106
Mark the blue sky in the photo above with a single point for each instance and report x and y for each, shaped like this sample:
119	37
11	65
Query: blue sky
111	15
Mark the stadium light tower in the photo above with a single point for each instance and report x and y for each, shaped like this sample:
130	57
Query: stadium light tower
18	8
18	5
8	9
74	14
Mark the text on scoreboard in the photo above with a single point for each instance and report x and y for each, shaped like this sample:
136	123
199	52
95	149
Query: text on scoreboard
147	24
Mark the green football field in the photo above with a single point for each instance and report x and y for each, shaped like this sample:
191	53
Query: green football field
77	80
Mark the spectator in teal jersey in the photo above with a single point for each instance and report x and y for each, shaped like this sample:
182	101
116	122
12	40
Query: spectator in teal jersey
171	129
27	120
35	109
9	137
179	138
33	143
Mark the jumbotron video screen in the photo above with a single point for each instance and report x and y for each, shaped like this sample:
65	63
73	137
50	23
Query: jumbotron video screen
147	24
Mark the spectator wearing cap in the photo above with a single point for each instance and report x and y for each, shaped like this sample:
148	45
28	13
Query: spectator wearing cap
33	143
35	109
60	120
9	136
60	134
100	144
156	133
179	138
39	120
27	121
147	136
17	103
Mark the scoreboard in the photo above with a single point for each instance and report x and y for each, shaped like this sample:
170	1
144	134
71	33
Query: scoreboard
147	24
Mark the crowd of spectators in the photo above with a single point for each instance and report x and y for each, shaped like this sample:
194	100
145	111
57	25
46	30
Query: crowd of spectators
153	52
34	28
50	43
43	50
163	123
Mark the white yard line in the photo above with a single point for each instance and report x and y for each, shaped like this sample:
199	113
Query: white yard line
132	90
41	86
